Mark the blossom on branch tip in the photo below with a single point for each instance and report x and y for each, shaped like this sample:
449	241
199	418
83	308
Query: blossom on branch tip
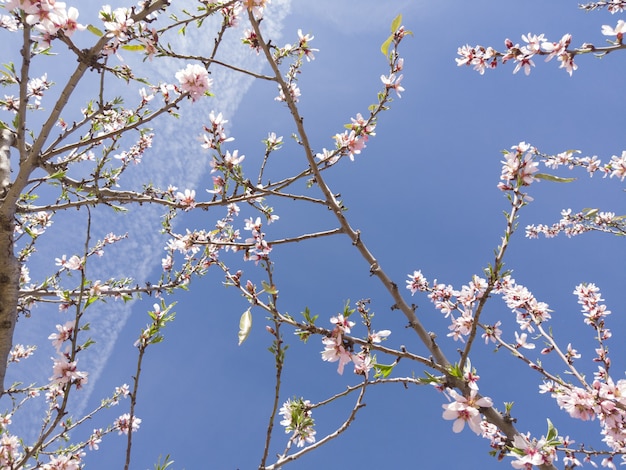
297	419
521	341
618	31
123	424
416	282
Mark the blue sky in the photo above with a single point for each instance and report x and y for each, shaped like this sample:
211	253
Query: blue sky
424	196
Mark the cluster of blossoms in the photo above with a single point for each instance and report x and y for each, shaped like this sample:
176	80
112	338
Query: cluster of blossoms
123	424
580	222
447	300
613	6
34	223
189	244
616	167
603	399
9	450
529	452
519	299
216	132
518	167
47	17
72	461
482	58
297	420
35	90
260	249
337	348
19	351
194	79
589	219
351	141
135	153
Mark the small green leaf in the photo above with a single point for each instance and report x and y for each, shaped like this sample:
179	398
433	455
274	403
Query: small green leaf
383	370
269	289
590	212
555	179
245	325
552	431
385	46
395	24
133	47
91	28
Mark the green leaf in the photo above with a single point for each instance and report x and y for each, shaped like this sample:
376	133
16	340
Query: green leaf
385	46
552	431
555	179
269	289
134	47
590	212
91	28
396	23
383	370
245	325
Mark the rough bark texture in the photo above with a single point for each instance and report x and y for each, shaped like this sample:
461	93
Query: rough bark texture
9	266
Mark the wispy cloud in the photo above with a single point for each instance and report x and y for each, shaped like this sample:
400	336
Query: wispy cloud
176	158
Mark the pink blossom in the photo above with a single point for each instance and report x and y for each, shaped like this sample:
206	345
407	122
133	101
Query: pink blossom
64	462
342	325
64	333
618	31
334	351
187	199
416	282
294	93
9	450
618	166
521	341
117	22
194	79
65	371
465	410
20	351
378	336
533	453
392	83
73	264
123	424
304	45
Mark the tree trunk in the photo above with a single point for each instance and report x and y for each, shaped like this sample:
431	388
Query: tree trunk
9	266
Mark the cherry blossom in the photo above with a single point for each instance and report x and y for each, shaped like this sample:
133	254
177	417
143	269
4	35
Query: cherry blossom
465	410
416	282
65	371
529	454
187	199
618	31
297	420
194	79
334	350
64	333
392	82
123	424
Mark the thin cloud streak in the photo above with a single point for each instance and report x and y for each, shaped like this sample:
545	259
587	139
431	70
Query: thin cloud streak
175	159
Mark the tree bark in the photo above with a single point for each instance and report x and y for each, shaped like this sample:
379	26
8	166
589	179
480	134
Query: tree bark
9	266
